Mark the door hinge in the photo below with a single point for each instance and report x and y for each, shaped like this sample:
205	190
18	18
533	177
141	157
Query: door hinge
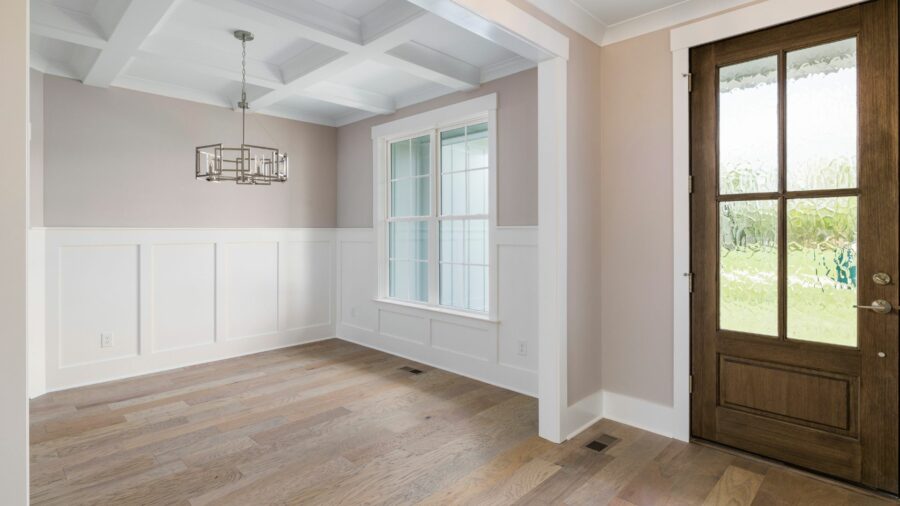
690	276
691	384
690	80
690	184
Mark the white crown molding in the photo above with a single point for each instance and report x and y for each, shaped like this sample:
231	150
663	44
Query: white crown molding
667	17
576	17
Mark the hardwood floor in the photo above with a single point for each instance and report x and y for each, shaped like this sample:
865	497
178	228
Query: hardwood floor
335	423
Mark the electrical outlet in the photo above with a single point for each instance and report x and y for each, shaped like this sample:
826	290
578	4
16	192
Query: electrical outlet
523	348
106	340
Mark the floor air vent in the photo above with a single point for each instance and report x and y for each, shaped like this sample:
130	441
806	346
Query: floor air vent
601	443
411	370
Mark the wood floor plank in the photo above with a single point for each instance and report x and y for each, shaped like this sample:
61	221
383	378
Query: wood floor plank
335	423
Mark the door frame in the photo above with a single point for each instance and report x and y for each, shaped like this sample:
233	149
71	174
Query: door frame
732	23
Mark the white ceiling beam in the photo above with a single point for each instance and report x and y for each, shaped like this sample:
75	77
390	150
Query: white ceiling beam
135	24
306	19
171	90
54	22
426	63
349	96
504	24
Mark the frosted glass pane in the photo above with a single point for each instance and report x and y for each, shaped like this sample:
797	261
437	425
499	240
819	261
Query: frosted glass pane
478	191
453	194
410	197
408	240
822	117
421	153
748	267
821	270
748	127
453	150
401	160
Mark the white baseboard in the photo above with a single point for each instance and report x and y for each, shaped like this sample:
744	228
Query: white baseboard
657	418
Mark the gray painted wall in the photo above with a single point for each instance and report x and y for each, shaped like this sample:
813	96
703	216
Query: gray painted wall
516	153
120	158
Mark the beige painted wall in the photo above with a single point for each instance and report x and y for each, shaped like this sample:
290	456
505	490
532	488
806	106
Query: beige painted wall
584	144
13	222
120	158
635	215
516	153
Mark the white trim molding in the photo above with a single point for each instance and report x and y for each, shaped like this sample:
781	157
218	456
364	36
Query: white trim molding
737	22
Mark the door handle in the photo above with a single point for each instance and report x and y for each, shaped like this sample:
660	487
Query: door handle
880	306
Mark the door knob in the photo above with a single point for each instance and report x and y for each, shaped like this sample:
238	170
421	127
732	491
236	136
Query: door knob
880	306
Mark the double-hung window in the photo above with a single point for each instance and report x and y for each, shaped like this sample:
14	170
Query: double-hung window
438	204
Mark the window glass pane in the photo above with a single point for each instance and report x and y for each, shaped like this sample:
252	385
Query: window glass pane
477	279
478	146
408	240
822	117
748	126
453	194
408	260
453	285
410	197
478	191
821	270
453	150
748	266
401	162
477	241
452	247
409	280
421	153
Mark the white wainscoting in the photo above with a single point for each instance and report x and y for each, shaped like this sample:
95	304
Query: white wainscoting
486	351
174	297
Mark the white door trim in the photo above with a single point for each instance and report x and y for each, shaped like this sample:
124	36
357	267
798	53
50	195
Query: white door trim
729	24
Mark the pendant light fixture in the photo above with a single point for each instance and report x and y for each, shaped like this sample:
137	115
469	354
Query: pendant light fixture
247	164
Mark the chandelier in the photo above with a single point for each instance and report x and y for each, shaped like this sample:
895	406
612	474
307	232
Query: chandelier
247	164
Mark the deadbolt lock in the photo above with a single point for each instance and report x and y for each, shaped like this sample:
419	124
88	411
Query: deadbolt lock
881	278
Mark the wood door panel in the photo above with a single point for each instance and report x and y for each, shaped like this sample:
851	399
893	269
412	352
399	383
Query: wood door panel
806	396
813	449
831	408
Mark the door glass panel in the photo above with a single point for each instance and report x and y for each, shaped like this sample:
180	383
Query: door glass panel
822	117
748	127
821	270
748	266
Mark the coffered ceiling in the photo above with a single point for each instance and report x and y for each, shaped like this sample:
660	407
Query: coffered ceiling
330	62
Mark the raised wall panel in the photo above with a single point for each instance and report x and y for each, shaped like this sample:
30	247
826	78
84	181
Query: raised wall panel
518	308
403	326
184	295
359	281
251	289
306	272
474	342
98	293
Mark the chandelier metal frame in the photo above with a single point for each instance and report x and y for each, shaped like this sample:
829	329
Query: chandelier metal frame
248	164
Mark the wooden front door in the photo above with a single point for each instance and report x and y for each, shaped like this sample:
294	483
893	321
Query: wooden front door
794	223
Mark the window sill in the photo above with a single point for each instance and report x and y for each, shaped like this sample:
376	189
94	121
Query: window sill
438	310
